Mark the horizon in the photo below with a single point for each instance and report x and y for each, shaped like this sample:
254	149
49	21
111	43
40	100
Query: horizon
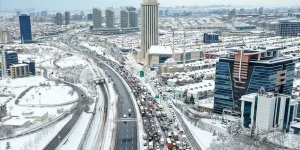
54	5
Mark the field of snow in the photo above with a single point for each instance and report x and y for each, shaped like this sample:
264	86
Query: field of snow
49	95
71	61
37	140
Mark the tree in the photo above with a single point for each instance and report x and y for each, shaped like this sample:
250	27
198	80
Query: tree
192	100
186	100
235	128
7	145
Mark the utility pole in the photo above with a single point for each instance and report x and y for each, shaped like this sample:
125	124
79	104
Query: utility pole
173	44
184	46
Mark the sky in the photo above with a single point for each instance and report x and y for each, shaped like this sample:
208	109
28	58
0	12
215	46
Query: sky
88	4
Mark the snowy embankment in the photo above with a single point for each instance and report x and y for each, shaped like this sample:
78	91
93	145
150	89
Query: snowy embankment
73	139
36	140
203	138
111	116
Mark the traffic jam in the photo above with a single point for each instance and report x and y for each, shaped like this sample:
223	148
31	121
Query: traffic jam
162	130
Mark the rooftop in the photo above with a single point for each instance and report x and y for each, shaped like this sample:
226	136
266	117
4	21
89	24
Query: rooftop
16	122
156	49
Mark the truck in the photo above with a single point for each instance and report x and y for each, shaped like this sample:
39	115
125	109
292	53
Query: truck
150	146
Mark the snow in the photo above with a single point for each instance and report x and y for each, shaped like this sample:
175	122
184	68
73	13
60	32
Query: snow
75	136
203	138
37	140
16	122
156	49
71	61
287	140
49	95
94	131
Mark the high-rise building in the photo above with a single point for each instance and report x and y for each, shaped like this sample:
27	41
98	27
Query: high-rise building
130	8
44	13
266	111
133	19
11	57
25	29
246	71
109	18
149	28
18	13
288	28
97	18
67	17
5	37
58	19
90	17
31	65
161	13
19	70
166	12
231	14
124	22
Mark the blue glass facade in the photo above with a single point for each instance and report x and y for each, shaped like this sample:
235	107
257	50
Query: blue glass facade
25	29
210	38
259	74
223	90
11	58
247	114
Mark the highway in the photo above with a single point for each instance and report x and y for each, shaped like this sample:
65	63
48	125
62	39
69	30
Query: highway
76	113
126	138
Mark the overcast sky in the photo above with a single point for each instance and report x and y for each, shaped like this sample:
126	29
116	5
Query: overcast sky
88	4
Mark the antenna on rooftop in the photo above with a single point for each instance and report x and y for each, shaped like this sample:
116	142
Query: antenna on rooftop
184	46
173	44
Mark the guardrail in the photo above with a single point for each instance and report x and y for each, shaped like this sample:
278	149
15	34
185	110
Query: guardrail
136	109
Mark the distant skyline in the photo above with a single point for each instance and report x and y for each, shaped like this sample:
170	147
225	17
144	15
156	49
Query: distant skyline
89	4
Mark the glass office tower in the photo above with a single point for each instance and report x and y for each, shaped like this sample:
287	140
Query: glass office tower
246	71
25	29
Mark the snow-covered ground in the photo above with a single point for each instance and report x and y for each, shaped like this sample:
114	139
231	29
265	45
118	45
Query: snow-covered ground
73	139
37	140
71	61
49	95
287	140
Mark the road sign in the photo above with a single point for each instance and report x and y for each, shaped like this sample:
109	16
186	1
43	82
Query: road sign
157	96
142	74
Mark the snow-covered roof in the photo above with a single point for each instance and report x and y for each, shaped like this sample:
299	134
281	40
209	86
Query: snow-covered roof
16	122
296	125
19	65
156	49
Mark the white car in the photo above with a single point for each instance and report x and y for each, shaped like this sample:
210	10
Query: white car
125	116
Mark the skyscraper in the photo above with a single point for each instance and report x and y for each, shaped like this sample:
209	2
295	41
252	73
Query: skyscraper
288	28
97	18
109	18
67	18
25	29
58	19
133	19
149	28
124	23
246	71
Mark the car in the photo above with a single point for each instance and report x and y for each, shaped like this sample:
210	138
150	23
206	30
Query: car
125	116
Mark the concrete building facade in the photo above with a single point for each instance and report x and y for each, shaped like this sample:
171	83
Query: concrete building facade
109	18
266	111
97	18
124	22
149	28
